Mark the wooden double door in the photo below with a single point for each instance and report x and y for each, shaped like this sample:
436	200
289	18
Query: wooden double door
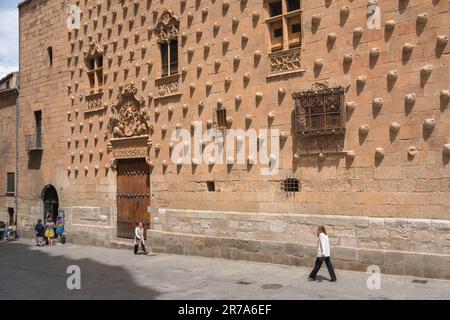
133	196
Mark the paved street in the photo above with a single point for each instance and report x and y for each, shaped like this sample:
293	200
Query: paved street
28	272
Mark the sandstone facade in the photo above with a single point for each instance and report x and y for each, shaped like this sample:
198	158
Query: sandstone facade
379	182
8	99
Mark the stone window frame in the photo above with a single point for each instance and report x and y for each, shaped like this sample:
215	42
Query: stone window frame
284	21
94	63
168	66
167	31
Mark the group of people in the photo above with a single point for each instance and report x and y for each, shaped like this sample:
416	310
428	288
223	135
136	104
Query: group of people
46	233
8	233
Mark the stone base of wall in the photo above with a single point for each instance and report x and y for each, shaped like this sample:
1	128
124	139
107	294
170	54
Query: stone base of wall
418	247
295	254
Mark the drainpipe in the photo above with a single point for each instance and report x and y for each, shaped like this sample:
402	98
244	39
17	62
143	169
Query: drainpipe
16	198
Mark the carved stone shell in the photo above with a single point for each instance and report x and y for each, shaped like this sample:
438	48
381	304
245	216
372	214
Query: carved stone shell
429	123
442	41
392	75
377	103
374	52
394	126
412	151
446	149
364	129
315	19
350	106
358	32
410	99
390	25
379	153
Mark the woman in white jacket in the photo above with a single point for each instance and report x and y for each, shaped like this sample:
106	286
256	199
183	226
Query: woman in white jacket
139	238
323	254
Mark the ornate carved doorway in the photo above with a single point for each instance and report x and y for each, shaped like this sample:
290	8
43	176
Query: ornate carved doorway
129	140
133	196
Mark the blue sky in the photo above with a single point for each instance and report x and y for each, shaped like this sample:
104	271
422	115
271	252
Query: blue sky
9	38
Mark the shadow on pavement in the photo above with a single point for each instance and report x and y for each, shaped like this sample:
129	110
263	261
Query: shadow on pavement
27	272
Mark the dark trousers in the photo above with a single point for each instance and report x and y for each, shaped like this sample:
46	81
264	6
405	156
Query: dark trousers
318	264
136	248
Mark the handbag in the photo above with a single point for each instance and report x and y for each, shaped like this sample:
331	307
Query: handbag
49	233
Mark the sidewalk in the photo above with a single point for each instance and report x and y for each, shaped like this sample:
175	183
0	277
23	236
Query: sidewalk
28	272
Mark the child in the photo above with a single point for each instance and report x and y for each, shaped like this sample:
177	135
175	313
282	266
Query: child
39	230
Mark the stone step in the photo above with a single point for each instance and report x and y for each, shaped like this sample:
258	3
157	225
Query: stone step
120	243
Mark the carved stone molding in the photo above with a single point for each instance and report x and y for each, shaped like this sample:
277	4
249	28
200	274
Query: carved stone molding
130	148
320	144
168	86
93	52
284	61
167	27
129	118
130	153
94	102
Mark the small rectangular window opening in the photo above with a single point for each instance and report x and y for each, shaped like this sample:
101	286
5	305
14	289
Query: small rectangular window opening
11	183
221	115
290	185
50	56
211	185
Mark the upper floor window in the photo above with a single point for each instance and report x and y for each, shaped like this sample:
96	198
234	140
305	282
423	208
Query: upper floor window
11	184
320	111
94	64
169	58
221	118
167	30
284	22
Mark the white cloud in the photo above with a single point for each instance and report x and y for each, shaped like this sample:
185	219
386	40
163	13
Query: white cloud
9	38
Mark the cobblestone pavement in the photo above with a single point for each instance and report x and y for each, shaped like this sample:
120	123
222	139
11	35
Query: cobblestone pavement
28	272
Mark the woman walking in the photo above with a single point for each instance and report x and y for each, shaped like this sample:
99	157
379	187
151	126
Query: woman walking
50	231
323	254
139	239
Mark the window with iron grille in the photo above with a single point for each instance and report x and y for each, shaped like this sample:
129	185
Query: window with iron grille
320	112
221	118
290	185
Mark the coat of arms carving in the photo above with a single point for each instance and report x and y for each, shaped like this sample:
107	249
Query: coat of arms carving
128	118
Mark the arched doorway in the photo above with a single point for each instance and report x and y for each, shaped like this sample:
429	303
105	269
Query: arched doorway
51	202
